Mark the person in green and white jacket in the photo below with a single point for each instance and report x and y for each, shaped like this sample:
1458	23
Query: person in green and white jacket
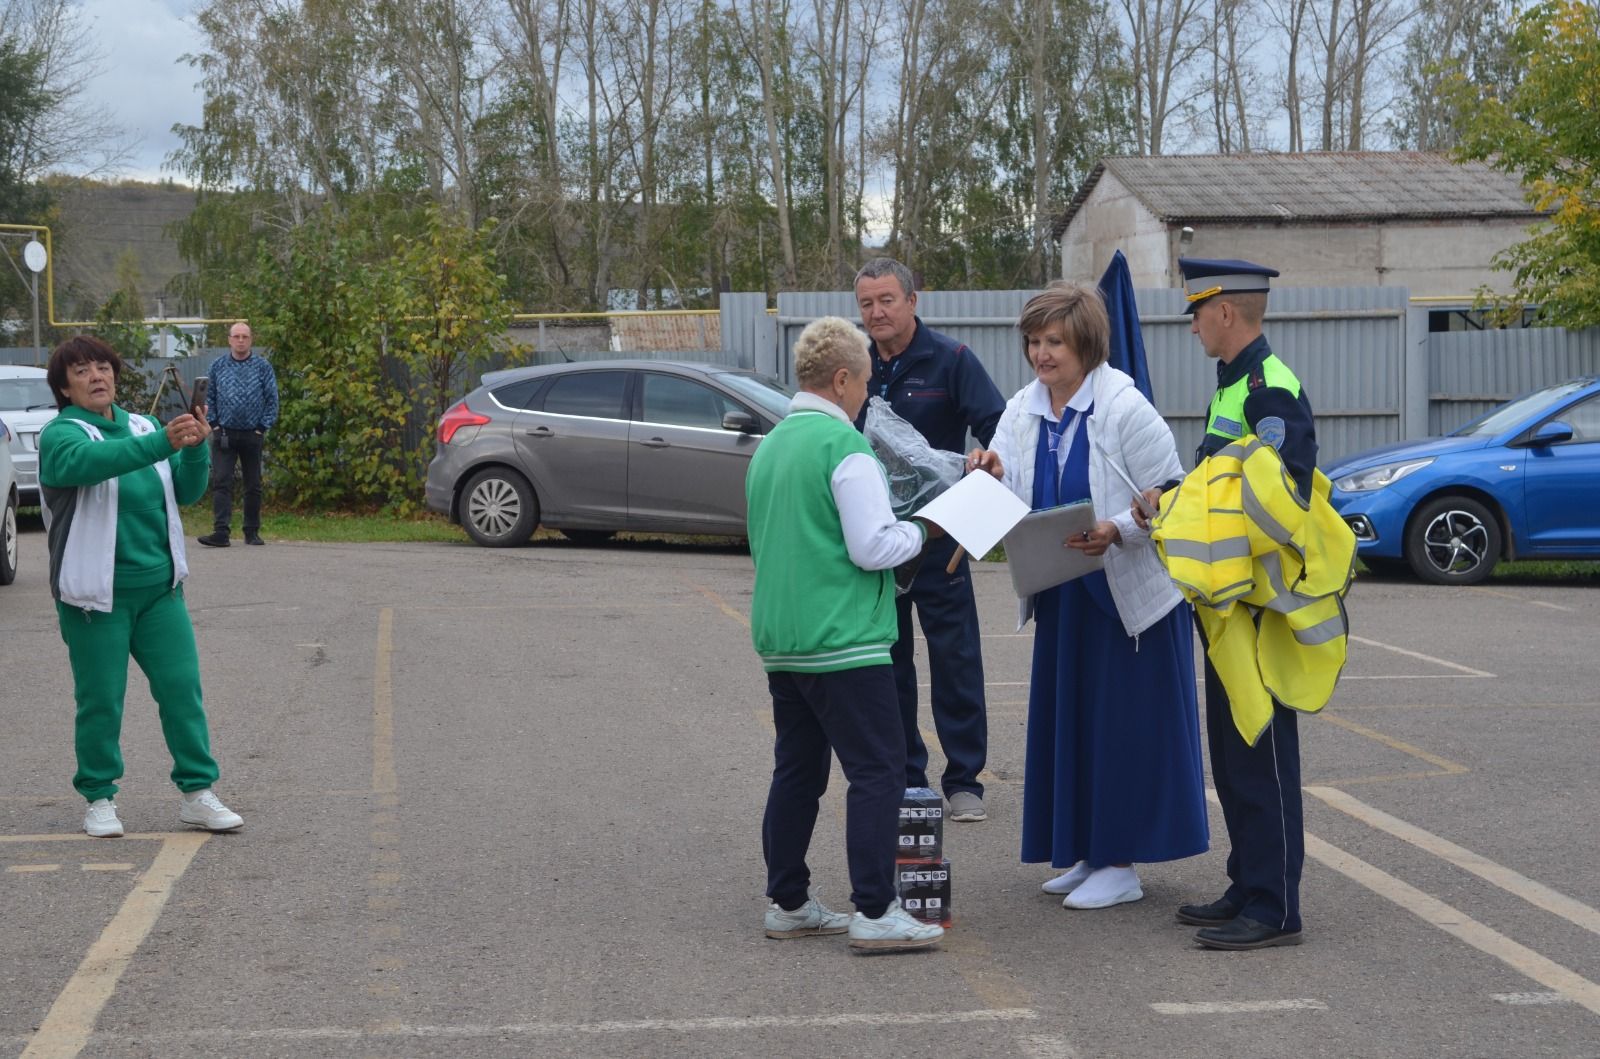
111	484
825	540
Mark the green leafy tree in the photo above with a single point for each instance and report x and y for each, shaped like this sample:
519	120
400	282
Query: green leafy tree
1544	129
369	334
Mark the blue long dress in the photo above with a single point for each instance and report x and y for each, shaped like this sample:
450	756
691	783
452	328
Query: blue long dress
1113	752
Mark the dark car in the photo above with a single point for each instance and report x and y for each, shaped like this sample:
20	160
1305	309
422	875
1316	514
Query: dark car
1520	482
593	447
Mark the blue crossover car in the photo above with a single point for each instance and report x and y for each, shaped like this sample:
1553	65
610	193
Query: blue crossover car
1520	482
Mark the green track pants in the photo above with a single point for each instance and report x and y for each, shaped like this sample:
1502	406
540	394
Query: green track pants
150	625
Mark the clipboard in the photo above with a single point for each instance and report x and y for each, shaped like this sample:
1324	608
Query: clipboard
1036	554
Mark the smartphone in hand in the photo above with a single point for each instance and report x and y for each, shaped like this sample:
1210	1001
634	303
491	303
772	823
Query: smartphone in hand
197	397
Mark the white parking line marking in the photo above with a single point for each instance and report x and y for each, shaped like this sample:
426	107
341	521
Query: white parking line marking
66	1028
1535	893
1044	1046
1530	999
20	869
1421	657
608	1028
108	867
1237	1007
1422	676
1551	606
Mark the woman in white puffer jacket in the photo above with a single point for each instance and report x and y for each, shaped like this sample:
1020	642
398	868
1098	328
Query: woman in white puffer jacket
1113	748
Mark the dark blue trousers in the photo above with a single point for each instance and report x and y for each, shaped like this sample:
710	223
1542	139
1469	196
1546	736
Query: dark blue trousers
1259	788
949	618
852	713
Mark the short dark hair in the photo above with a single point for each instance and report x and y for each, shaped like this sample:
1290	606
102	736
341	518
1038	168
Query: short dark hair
79	349
1081	312
879	267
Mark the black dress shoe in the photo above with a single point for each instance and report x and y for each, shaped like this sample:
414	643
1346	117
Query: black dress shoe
1215	914
214	540
253	538
1245	933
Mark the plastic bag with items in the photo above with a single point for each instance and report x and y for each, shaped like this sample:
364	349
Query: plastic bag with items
918	472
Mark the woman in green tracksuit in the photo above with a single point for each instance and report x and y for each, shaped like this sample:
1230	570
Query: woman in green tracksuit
111	485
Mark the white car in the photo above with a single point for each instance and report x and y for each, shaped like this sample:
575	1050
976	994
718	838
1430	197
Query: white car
8	517
26	405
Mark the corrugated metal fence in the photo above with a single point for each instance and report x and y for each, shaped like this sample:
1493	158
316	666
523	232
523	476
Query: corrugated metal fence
1371	368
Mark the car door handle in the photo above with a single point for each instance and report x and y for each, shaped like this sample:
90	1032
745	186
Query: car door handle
540	432
656	443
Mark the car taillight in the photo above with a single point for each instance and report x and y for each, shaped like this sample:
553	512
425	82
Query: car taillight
458	417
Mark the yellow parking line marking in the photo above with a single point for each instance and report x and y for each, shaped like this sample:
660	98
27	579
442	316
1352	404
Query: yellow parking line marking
1422	657
1452	921
540	606
1535	893
384	780
1450	768
1044	1046
721	604
20	869
66	1028
1551	606
1346	706
108	867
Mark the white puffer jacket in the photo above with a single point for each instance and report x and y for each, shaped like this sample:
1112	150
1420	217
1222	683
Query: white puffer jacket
1126	428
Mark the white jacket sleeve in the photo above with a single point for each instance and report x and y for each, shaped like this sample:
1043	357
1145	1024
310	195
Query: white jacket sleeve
1149	454
875	539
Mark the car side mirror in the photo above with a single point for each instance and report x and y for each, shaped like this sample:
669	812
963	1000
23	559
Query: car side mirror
745	423
1551	433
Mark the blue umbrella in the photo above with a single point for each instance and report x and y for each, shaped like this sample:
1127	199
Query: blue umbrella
1127	343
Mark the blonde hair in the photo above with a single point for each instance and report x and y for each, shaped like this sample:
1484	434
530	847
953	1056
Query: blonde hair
1080	311
1250	305
826	345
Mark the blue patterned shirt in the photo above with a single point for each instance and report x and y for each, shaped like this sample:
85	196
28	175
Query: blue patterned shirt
244	394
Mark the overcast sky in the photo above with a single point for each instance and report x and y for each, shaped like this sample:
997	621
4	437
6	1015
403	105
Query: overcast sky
142	82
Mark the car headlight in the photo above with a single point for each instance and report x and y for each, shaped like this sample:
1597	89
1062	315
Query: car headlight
1378	477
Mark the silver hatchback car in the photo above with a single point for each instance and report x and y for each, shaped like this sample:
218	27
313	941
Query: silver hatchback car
593	447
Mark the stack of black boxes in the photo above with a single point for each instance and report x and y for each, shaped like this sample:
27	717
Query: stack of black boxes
922	871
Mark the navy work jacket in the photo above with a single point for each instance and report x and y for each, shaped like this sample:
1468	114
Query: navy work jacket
938	386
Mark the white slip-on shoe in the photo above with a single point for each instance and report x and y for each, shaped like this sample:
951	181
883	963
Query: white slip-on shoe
1068	880
100	819
812	919
205	809
893	931
1105	887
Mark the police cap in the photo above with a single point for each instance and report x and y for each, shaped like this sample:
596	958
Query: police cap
1204	279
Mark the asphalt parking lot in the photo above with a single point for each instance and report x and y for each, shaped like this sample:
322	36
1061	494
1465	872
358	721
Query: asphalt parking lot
507	803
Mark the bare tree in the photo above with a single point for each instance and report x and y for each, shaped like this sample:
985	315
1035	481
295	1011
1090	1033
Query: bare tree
1165	38
1290	17
760	33
1230	73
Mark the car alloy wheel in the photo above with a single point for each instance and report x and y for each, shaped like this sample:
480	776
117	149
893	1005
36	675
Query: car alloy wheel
1454	540
8	543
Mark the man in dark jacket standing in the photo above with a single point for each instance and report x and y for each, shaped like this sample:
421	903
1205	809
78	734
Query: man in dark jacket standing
937	385
243	407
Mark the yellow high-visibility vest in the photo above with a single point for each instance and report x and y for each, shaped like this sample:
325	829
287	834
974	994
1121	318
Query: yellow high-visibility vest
1267	573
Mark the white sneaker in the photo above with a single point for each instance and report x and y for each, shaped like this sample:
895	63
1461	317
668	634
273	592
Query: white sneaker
893	931
205	809
1105	887
1068	880
100	819
810	920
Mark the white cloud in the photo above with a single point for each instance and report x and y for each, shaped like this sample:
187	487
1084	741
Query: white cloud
142	82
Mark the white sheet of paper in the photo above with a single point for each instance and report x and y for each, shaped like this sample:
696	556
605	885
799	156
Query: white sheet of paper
977	511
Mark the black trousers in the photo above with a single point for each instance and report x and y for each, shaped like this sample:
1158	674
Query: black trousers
1259	788
853	714
244	449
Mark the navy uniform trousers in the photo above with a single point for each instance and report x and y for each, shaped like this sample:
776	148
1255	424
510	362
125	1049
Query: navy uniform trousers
1259	788
949	617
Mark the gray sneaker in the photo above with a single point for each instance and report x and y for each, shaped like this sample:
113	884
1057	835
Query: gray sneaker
894	931
810	920
966	808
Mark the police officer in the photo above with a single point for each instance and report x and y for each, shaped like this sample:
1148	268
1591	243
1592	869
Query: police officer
1258	786
937	385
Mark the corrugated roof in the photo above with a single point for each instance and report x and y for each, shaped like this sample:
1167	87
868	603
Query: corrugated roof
1318	186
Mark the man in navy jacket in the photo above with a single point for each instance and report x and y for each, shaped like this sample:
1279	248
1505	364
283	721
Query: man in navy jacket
937	385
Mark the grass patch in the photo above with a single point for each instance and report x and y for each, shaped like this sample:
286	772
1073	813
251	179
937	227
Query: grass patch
333	527
1528	571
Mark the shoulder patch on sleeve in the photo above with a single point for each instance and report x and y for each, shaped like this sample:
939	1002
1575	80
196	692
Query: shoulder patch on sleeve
1272	431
